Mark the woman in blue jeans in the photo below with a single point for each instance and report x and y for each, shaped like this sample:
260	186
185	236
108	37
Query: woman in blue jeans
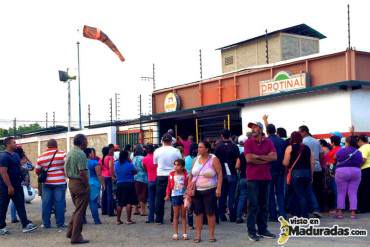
300	162
241	166
95	181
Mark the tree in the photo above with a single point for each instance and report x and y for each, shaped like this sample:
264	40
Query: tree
20	129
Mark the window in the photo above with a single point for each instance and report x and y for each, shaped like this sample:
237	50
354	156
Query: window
229	60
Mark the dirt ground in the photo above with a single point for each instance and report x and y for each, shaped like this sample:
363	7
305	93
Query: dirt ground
141	234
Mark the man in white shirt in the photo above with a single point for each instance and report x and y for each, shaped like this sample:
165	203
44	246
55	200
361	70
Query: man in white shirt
164	157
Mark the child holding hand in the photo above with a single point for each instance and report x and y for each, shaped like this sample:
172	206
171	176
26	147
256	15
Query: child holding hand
177	183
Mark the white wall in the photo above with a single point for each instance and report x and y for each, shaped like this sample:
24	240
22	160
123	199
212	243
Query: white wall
322	112
360	109
110	131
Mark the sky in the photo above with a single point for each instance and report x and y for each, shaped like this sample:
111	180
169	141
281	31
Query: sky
39	38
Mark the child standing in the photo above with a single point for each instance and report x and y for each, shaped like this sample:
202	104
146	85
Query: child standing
177	182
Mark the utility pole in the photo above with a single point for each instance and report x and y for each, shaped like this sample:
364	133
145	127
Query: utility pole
153	77
140	112
54	119
89	114
267	47
46	122
117	105
79	85
201	65
15	127
69	105
349	28
111	109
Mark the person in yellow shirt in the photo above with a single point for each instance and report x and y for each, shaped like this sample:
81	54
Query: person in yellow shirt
364	188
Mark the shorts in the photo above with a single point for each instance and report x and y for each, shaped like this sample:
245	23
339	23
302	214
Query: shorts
205	202
177	200
126	194
141	191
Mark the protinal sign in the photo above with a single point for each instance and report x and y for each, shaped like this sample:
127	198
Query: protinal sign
171	102
284	82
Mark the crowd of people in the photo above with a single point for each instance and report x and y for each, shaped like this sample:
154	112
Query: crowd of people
261	175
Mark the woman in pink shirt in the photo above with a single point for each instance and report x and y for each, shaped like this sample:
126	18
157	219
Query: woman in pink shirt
107	171
151	170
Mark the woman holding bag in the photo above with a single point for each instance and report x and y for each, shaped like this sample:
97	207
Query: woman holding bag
299	160
205	183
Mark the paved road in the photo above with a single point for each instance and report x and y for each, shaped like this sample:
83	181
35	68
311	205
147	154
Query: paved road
141	234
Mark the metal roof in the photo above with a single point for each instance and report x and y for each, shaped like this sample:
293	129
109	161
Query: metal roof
301	29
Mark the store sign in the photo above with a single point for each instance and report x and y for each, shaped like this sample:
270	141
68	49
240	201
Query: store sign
171	102
284	82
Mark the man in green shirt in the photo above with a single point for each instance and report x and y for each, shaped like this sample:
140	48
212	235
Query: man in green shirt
76	171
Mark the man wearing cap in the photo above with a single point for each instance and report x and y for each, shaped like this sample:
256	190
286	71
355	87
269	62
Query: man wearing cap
259	152
164	157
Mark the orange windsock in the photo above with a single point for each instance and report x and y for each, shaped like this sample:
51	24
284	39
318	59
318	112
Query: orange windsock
96	33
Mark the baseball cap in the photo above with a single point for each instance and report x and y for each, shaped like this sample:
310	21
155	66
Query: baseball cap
242	139
166	138
336	133
252	124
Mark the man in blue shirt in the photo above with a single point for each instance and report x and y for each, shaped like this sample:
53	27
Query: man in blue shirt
11	187
277	191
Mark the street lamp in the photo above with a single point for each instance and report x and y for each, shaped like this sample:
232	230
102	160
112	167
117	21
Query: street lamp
66	77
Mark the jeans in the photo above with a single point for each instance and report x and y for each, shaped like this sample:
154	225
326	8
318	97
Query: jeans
53	195
348	179
364	191
301	182
107	198
151	199
317	186
312	200
242	200
190	217
228	195
18	200
258	193
13	211
277	195
93	203
160	193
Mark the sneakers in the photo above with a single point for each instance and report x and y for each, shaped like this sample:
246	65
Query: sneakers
4	231
266	234
317	214
239	221
29	228
223	218
253	237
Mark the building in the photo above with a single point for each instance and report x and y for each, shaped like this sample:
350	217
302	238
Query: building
292	42
325	92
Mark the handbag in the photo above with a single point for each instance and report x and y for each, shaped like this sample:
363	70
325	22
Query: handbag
44	173
289	174
190	190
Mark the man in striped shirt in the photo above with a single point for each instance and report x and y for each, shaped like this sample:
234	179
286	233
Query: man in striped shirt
54	189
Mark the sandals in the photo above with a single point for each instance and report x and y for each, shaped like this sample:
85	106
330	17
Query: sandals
212	240
197	240
339	216
185	236
119	223
175	236
130	222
